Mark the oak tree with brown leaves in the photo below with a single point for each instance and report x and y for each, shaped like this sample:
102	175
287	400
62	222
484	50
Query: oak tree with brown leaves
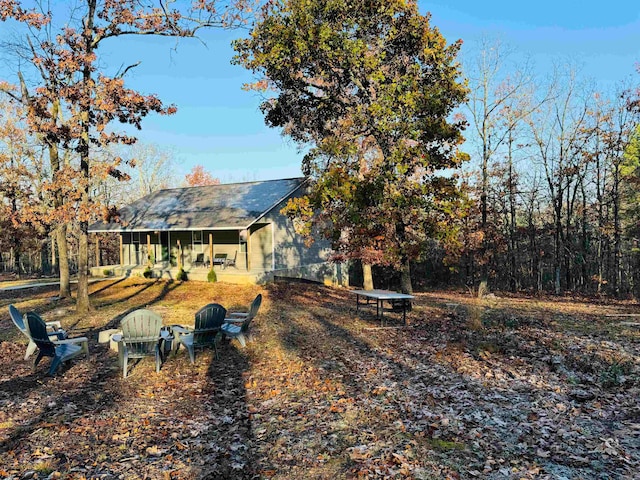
371	86
93	100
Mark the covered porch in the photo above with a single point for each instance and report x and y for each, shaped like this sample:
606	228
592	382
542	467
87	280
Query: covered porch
230	252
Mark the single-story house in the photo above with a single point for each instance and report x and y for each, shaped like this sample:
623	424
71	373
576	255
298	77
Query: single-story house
235	228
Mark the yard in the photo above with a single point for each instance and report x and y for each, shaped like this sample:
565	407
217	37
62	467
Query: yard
498	388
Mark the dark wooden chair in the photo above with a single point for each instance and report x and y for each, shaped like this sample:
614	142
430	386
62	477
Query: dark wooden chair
140	337
53	328
231	262
199	260
237	324
60	350
206	331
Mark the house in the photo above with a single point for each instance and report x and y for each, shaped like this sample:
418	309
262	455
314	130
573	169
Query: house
238	227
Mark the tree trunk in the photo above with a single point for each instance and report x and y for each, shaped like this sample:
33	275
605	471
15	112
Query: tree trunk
513	274
405	276
557	254
82	303
617	233
63	261
368	277
54	261
483	207
44	257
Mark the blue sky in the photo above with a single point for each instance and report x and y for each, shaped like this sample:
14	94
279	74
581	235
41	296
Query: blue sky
220	126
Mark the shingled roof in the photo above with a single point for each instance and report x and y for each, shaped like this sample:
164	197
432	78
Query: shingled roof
213	207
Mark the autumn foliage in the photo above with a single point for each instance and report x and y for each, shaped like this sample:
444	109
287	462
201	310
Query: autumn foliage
75	107
372	87
199	177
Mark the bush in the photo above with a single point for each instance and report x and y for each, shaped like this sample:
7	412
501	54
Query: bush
211	276
107	273
148	273
182	275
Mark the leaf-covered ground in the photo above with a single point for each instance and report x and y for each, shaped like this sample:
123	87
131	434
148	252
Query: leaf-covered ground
499	388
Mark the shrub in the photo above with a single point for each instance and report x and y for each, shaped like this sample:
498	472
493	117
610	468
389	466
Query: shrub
211	276
182	275
107	273
614	374
148	273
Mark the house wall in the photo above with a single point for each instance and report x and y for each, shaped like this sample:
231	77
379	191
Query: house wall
261	247
290	250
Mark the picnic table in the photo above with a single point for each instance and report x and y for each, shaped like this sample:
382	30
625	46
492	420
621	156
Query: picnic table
380	296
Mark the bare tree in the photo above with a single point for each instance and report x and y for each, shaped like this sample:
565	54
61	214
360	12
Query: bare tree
500	100
556	130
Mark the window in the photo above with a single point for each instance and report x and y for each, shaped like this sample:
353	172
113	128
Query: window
197	236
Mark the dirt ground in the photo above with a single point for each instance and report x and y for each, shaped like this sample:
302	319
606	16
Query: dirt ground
496	388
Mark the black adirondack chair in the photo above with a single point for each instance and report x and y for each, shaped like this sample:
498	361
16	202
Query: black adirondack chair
206	332
60	350
237	324
140	337
54	328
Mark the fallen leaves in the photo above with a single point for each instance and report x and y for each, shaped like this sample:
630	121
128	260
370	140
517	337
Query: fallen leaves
319	396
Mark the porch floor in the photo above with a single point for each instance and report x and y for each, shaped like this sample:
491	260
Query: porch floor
229	274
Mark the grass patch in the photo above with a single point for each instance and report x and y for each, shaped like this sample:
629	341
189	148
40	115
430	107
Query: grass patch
445	445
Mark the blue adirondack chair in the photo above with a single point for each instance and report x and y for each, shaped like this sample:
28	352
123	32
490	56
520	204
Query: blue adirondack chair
237	324
206	332
54	328
60	350
140	337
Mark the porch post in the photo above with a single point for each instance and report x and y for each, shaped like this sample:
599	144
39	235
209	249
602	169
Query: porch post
211	249
97	251
121	252
179	254
149	249
249	249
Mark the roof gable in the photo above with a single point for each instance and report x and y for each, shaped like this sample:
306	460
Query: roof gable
225	206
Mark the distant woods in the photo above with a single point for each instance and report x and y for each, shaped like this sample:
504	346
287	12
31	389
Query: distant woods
553	181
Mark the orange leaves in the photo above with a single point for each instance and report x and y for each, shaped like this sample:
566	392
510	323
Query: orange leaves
199	177
12	9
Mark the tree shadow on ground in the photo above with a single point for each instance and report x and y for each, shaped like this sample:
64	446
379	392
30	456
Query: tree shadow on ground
188	421
77	392
108	284
229	451
144	286
386	387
